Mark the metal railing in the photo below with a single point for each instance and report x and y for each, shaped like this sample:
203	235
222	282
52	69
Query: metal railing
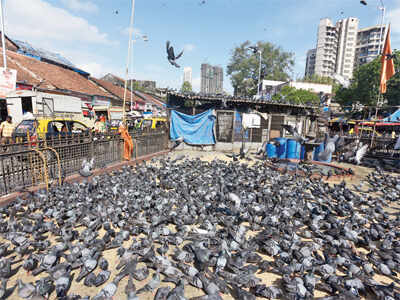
49	161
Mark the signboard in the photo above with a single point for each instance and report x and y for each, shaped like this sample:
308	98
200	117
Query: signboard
8	81
251	121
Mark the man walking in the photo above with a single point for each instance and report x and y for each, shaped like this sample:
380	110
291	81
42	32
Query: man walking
6	131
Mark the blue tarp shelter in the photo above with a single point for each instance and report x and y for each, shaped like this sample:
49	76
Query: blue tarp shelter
395	117
195	130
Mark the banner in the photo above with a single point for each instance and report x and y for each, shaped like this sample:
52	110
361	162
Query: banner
8	81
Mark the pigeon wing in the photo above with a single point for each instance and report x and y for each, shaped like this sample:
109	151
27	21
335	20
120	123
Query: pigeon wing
289	128
361	153
91	164
84	163
179	55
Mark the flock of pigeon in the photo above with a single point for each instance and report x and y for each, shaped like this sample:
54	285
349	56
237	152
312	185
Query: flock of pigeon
178	224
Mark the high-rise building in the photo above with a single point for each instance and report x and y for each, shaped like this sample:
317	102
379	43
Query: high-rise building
370	42
325	56
347	38
212	78
187	74
343	47
310	63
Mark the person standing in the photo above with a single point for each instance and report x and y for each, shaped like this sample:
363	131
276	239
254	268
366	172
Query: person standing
6	131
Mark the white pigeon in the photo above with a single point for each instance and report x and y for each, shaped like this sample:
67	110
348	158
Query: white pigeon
86	170
362	150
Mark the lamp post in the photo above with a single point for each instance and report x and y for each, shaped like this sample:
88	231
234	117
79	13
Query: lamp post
145	39
383	9
2	36
255	50
128	61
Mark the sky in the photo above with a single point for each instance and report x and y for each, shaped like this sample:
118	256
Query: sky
93	34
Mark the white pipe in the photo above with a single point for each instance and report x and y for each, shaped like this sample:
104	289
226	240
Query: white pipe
259	75
2	36
129	59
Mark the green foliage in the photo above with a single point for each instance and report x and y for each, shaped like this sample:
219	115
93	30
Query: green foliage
318	79
364	87
186	87
243	67
296	96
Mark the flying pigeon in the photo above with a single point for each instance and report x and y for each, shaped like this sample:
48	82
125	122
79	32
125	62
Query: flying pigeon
86	170
254	49
360	153
294	133
329	148
177	142
171	55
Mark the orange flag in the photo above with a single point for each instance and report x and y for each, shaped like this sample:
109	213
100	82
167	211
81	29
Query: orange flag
387	70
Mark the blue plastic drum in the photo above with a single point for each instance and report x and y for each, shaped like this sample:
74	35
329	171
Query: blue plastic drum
271	151
281	149
293	149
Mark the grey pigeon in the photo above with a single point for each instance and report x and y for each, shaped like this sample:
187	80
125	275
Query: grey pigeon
171	55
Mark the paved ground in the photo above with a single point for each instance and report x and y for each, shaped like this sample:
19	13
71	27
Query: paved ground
111	256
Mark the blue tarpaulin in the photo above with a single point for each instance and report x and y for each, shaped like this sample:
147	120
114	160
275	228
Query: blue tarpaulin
395	117
195	130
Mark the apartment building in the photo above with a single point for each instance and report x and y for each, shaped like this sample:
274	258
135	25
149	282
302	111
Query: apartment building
343	46
370	43
327	41
310	63
211	79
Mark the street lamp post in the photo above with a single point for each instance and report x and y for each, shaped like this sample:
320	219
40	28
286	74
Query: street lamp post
128	61
145	39
255	50
2	36
383	9
259	75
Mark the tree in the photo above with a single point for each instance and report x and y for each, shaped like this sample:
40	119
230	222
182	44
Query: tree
186	87
243	67
318	79
364	86
297	96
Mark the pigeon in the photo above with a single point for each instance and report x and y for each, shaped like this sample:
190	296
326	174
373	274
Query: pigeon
171	55
151	285
294	133
25	290
329	147
130	290
176	143
86	170
360	153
